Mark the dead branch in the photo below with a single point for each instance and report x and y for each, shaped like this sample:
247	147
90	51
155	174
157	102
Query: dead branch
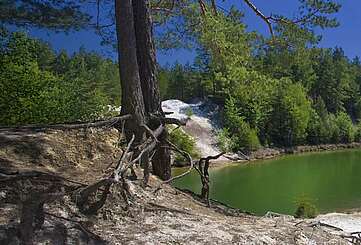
34	174
157	207
353	239
124	154
82	197
187	156
118	175
319	223
354	236
148	145
204	174
150	132
204	169
167	120
67	126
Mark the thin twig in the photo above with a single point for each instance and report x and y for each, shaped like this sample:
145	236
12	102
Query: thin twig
186	155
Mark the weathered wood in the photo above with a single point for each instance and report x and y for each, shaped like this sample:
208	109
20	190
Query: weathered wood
6	176
68	126
168	120
204	174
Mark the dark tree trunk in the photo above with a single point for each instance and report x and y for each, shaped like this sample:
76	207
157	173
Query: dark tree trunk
132	97
150	87
146	56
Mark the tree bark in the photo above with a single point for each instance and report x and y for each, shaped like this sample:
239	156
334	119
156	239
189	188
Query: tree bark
132	97
146	56
161	163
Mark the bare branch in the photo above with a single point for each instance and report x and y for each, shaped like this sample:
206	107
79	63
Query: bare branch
260	14
150	132
168	120
67	126
202	6
98	12
119	165
187	156
214	7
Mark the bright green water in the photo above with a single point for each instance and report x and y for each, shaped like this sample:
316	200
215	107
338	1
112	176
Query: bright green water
332	180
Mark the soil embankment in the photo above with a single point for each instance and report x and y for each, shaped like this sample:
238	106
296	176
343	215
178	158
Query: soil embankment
152	216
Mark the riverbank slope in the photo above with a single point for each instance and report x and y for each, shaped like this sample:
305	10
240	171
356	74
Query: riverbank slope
157	214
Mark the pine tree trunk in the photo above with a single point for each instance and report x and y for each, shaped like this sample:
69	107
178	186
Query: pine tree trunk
132	98
146	56
149	84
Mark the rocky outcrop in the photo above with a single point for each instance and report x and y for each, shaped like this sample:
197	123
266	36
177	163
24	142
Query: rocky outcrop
202	123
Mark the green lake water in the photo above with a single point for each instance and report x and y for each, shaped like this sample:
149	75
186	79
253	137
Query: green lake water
331	179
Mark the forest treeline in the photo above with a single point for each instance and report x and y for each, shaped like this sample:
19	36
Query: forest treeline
39	85
279	91
283	91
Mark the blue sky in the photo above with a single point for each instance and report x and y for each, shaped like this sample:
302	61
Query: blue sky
347	35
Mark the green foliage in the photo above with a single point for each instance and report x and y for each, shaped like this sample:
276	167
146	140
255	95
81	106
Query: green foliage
271	85
305	208
40	87
345	132
225	142
181	82
189	112
358	132
323	9
184	142
318	130
241	134
290	115
50	14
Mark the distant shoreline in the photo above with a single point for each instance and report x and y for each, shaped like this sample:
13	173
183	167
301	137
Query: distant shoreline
271	153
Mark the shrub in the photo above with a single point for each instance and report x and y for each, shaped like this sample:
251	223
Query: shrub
241	135
305	208
223	139
316	132
248	138
333	135
184	142
225	142
358	132
345	127
189	112
290	115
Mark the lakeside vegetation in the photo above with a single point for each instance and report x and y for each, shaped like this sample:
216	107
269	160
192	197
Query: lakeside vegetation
274	93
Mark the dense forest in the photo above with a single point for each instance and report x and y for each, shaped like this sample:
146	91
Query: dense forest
282	95
41	86
274	93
